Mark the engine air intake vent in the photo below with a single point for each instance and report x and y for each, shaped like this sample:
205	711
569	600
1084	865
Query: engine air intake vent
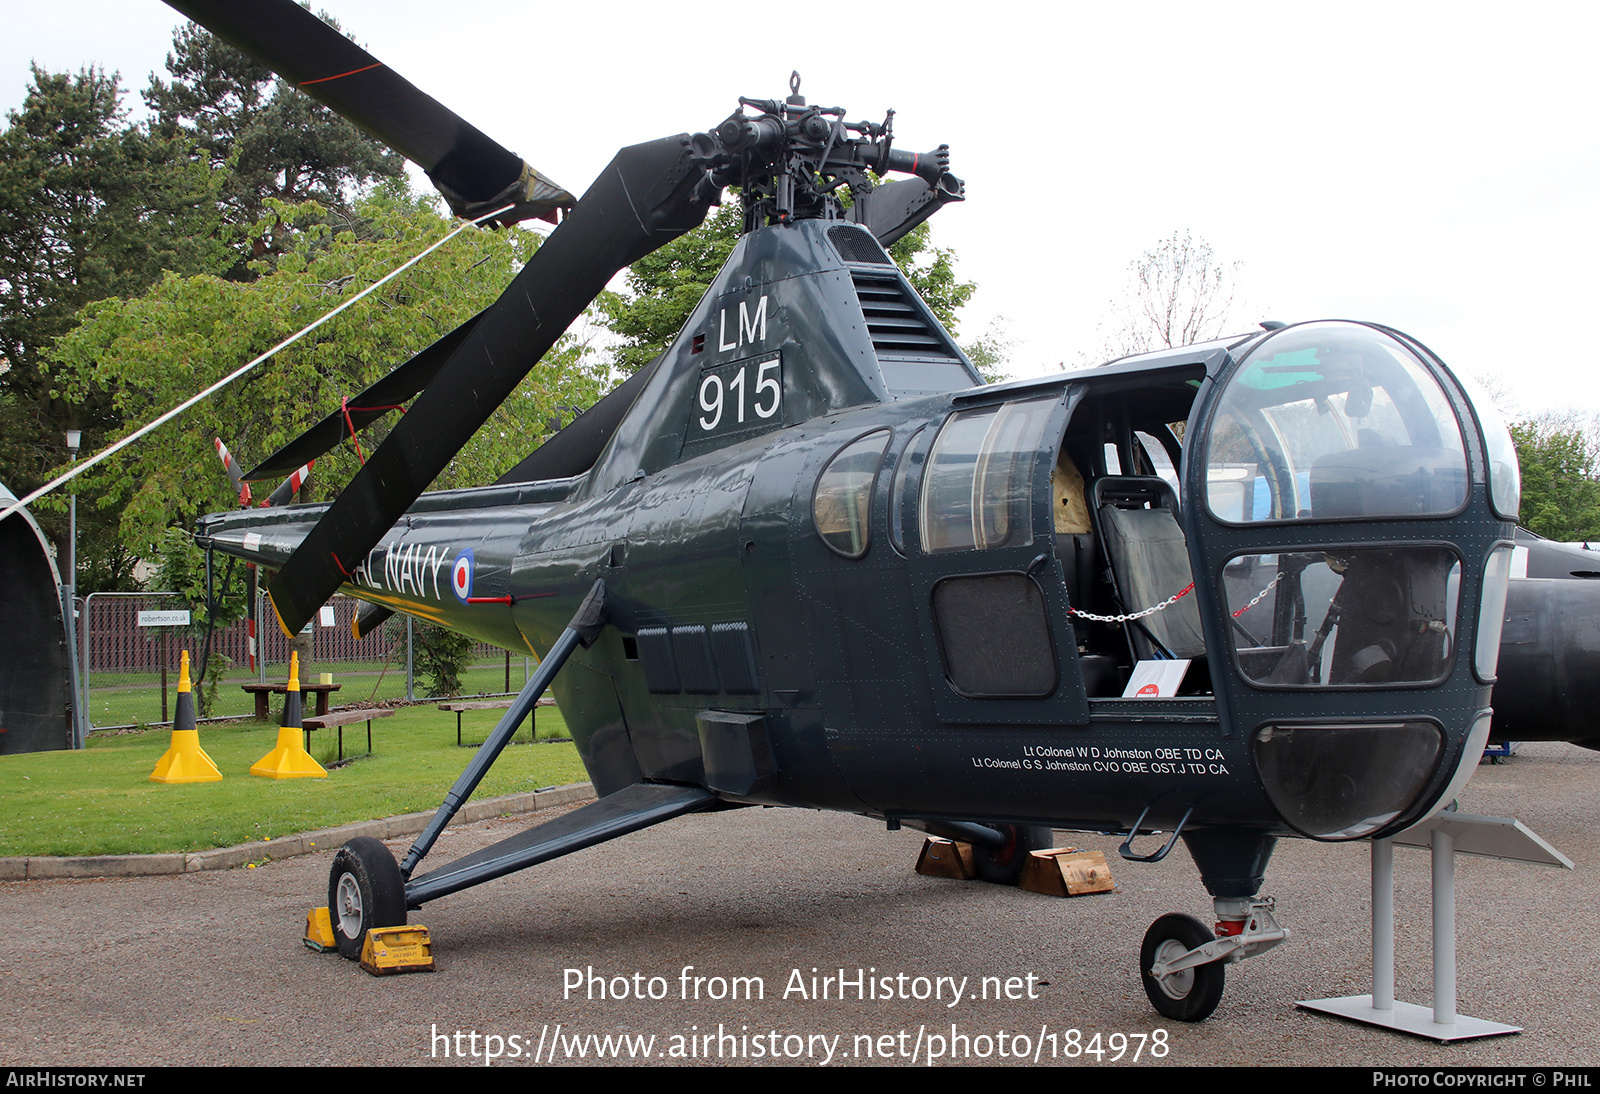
857	245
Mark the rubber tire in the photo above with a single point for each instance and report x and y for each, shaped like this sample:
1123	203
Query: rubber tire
1004	867
368	872
1200	991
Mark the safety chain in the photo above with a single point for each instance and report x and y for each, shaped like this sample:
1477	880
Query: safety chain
1165	604
1259	595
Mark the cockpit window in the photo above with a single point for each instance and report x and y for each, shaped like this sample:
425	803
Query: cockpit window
1334	420
1347	617
977	488
842	504
1505	476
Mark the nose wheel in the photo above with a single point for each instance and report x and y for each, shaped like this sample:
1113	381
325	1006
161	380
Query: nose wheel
365	890
1184	994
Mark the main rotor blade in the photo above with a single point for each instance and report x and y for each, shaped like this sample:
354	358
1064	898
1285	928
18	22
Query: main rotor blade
648	195
573	450
358	413
474	173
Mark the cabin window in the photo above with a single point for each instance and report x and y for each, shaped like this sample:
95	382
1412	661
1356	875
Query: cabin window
1161	463
842	503
1342	617
897	498
1329	421
977	490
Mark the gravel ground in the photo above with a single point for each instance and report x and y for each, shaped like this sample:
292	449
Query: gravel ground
208	968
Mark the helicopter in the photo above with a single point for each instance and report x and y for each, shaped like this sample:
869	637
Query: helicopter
806	558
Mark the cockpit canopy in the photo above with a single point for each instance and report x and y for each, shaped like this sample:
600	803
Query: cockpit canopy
1332	421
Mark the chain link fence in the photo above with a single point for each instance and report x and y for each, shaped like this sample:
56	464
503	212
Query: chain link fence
130	645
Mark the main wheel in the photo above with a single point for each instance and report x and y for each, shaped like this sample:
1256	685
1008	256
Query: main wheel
1190	995
1003	866
365	890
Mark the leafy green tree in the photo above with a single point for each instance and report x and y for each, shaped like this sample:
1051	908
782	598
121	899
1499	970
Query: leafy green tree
664	286
932	272
441	656
149	353
91	207
1560	460
181	569
270	141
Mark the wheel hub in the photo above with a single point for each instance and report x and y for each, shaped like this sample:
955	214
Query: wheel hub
1177	985
349	906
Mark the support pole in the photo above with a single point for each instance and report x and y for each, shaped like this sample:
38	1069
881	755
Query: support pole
1444	927
1382	925
82	630
582	630
163	674
1446	835
79	693
80	711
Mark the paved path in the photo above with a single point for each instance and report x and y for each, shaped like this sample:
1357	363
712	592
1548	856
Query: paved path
208	967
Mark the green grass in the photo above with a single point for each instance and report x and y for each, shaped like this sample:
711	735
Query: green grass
100	801
121	699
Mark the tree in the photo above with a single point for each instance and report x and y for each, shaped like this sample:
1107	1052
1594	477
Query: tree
1560	460
990	351
90	207
149	353
181	569
441	657
271	142
665	285
1182	293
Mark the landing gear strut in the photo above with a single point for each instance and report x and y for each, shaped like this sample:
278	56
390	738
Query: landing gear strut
1182	962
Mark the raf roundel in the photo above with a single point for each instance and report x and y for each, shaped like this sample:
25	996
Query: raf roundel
461	575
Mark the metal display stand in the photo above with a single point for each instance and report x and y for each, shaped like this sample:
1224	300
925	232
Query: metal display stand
1447	834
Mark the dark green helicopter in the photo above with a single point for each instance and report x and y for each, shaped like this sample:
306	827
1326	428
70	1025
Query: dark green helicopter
805	559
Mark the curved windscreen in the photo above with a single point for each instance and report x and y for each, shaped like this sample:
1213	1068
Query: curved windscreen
1333	420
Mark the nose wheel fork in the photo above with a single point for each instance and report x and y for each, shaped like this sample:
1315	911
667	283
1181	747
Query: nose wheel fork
1183	964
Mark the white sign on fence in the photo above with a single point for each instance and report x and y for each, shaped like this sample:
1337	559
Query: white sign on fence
164	619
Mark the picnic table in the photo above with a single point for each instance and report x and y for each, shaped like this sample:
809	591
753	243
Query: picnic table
494	704
340	719
261	691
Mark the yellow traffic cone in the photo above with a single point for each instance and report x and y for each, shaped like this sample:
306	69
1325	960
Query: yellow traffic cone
290	760
185	761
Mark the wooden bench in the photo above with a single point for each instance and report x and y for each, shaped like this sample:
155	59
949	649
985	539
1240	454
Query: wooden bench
340	719
262	691
495	704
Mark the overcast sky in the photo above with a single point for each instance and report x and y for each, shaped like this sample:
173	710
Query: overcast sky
1434	167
